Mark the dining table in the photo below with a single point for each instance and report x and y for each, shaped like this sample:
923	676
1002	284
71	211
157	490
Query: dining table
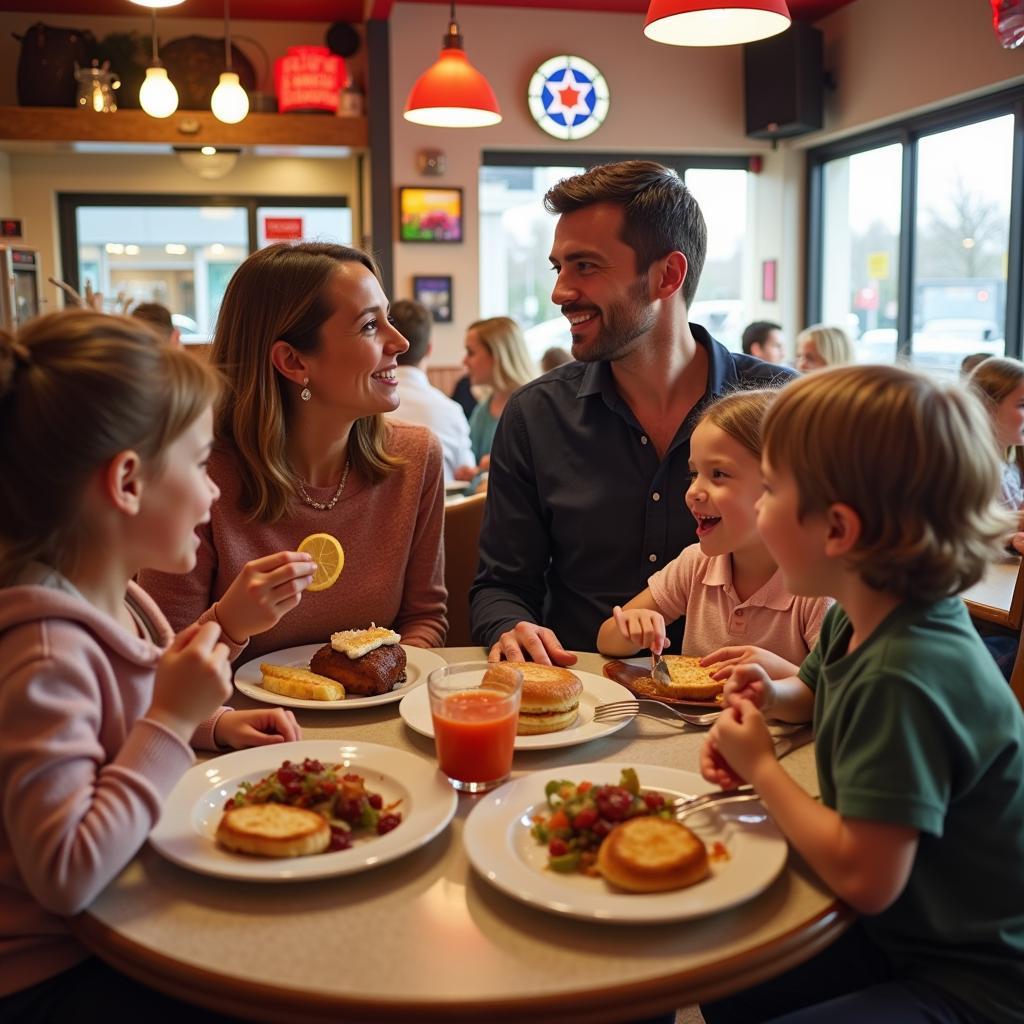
998	597
427	938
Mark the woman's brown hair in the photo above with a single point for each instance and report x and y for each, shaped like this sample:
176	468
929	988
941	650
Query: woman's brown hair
76	388
280	293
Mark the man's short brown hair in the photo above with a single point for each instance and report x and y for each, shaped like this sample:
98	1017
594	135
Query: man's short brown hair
414	322
660	213
911	456
156	315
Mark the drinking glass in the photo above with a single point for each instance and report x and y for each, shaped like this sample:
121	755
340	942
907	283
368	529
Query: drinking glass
475	710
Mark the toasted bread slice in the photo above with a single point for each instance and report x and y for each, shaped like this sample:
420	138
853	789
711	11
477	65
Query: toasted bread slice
690	679
273	830
652	855
300	683
357	642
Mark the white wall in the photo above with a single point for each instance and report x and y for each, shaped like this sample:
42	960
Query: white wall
663	99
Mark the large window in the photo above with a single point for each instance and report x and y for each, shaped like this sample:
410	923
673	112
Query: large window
915	246
516	233
178	251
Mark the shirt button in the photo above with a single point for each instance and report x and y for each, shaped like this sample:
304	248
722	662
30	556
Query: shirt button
643	439
652	558
739	613
655	496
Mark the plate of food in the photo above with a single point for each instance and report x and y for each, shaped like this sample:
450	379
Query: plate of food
288	812
357	668
601	844
691	682
557	708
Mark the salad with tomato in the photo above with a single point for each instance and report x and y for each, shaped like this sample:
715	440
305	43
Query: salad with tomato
340	796
580	815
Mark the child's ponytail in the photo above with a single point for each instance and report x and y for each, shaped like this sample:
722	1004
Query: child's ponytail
76	388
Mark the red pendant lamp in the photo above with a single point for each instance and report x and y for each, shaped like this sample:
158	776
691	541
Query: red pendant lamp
714	22
451	93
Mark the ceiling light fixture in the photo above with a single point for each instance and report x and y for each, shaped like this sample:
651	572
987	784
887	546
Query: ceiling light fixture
715	22
230	102
158	3
451	93
157	97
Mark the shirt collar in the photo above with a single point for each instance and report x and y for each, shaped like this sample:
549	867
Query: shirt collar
412	374
772	595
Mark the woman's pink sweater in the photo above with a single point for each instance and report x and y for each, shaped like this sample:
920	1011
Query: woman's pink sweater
391	532
83	772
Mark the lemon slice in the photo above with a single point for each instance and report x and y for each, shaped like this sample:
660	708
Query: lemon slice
329	557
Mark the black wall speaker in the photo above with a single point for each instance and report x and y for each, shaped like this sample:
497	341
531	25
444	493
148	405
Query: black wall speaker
784	80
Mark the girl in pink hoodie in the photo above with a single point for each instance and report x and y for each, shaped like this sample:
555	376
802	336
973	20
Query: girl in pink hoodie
106	434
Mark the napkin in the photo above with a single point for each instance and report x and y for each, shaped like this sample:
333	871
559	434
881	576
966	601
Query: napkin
789	736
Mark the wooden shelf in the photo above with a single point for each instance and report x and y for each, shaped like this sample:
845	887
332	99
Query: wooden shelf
184	128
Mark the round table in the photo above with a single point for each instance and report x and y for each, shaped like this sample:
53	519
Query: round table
424	938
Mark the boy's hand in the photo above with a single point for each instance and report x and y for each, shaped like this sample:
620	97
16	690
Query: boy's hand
750	682
257	728
716	769
193	679
263	592
642	627
729	657
741	738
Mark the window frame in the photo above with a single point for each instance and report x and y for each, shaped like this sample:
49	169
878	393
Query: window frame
909	131
68	204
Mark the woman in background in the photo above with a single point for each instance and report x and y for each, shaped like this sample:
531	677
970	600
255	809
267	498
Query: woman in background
820	346
497	358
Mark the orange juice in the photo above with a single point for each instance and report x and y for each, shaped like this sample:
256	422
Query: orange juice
475	731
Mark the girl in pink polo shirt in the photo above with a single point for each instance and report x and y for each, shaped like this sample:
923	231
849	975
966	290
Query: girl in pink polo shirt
105	440
727	585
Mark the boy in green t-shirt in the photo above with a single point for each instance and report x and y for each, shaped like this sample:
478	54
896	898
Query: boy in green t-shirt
880	489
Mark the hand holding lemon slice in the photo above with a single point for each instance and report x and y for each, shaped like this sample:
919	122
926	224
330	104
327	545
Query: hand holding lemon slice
329	557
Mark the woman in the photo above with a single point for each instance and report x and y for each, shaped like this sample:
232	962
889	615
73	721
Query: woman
820	346
308	353
497	358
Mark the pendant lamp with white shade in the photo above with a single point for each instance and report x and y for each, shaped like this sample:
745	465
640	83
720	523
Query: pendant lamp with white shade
157	96
230	102
715	22
451	93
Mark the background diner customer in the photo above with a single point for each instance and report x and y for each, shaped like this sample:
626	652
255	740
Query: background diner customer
309	355
100	702
554	356
497	358
159	318
763	340
421	402
587	459
820	346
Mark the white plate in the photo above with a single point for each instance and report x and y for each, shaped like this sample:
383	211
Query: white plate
415	710
501	849
457	486
186	829
249	679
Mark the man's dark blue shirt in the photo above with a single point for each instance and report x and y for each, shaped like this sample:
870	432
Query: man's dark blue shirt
580	510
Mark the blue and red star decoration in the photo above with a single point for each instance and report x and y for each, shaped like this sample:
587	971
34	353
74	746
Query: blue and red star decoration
568	97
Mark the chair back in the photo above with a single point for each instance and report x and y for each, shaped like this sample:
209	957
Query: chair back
462	521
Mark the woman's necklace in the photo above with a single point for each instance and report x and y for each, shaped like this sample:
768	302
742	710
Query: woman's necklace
326	506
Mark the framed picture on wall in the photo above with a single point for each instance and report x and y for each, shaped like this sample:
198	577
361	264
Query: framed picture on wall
430	214
436	294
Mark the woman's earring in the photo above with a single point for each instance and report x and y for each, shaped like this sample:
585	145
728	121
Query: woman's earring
305	394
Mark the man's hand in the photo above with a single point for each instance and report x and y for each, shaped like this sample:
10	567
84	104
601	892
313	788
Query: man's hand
527	638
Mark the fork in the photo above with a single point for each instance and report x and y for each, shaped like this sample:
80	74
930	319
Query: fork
685	804
629	708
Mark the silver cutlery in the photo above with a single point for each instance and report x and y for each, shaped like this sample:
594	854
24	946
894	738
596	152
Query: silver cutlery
630	708
686	804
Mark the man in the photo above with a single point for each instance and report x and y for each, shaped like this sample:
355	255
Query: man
764	340
590	462
159	318
420	401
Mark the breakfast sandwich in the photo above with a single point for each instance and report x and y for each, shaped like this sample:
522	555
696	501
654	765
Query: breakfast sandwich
551	698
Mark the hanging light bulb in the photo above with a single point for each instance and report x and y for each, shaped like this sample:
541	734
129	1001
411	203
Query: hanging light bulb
230	102
157	97
715	22
158	3
451	93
